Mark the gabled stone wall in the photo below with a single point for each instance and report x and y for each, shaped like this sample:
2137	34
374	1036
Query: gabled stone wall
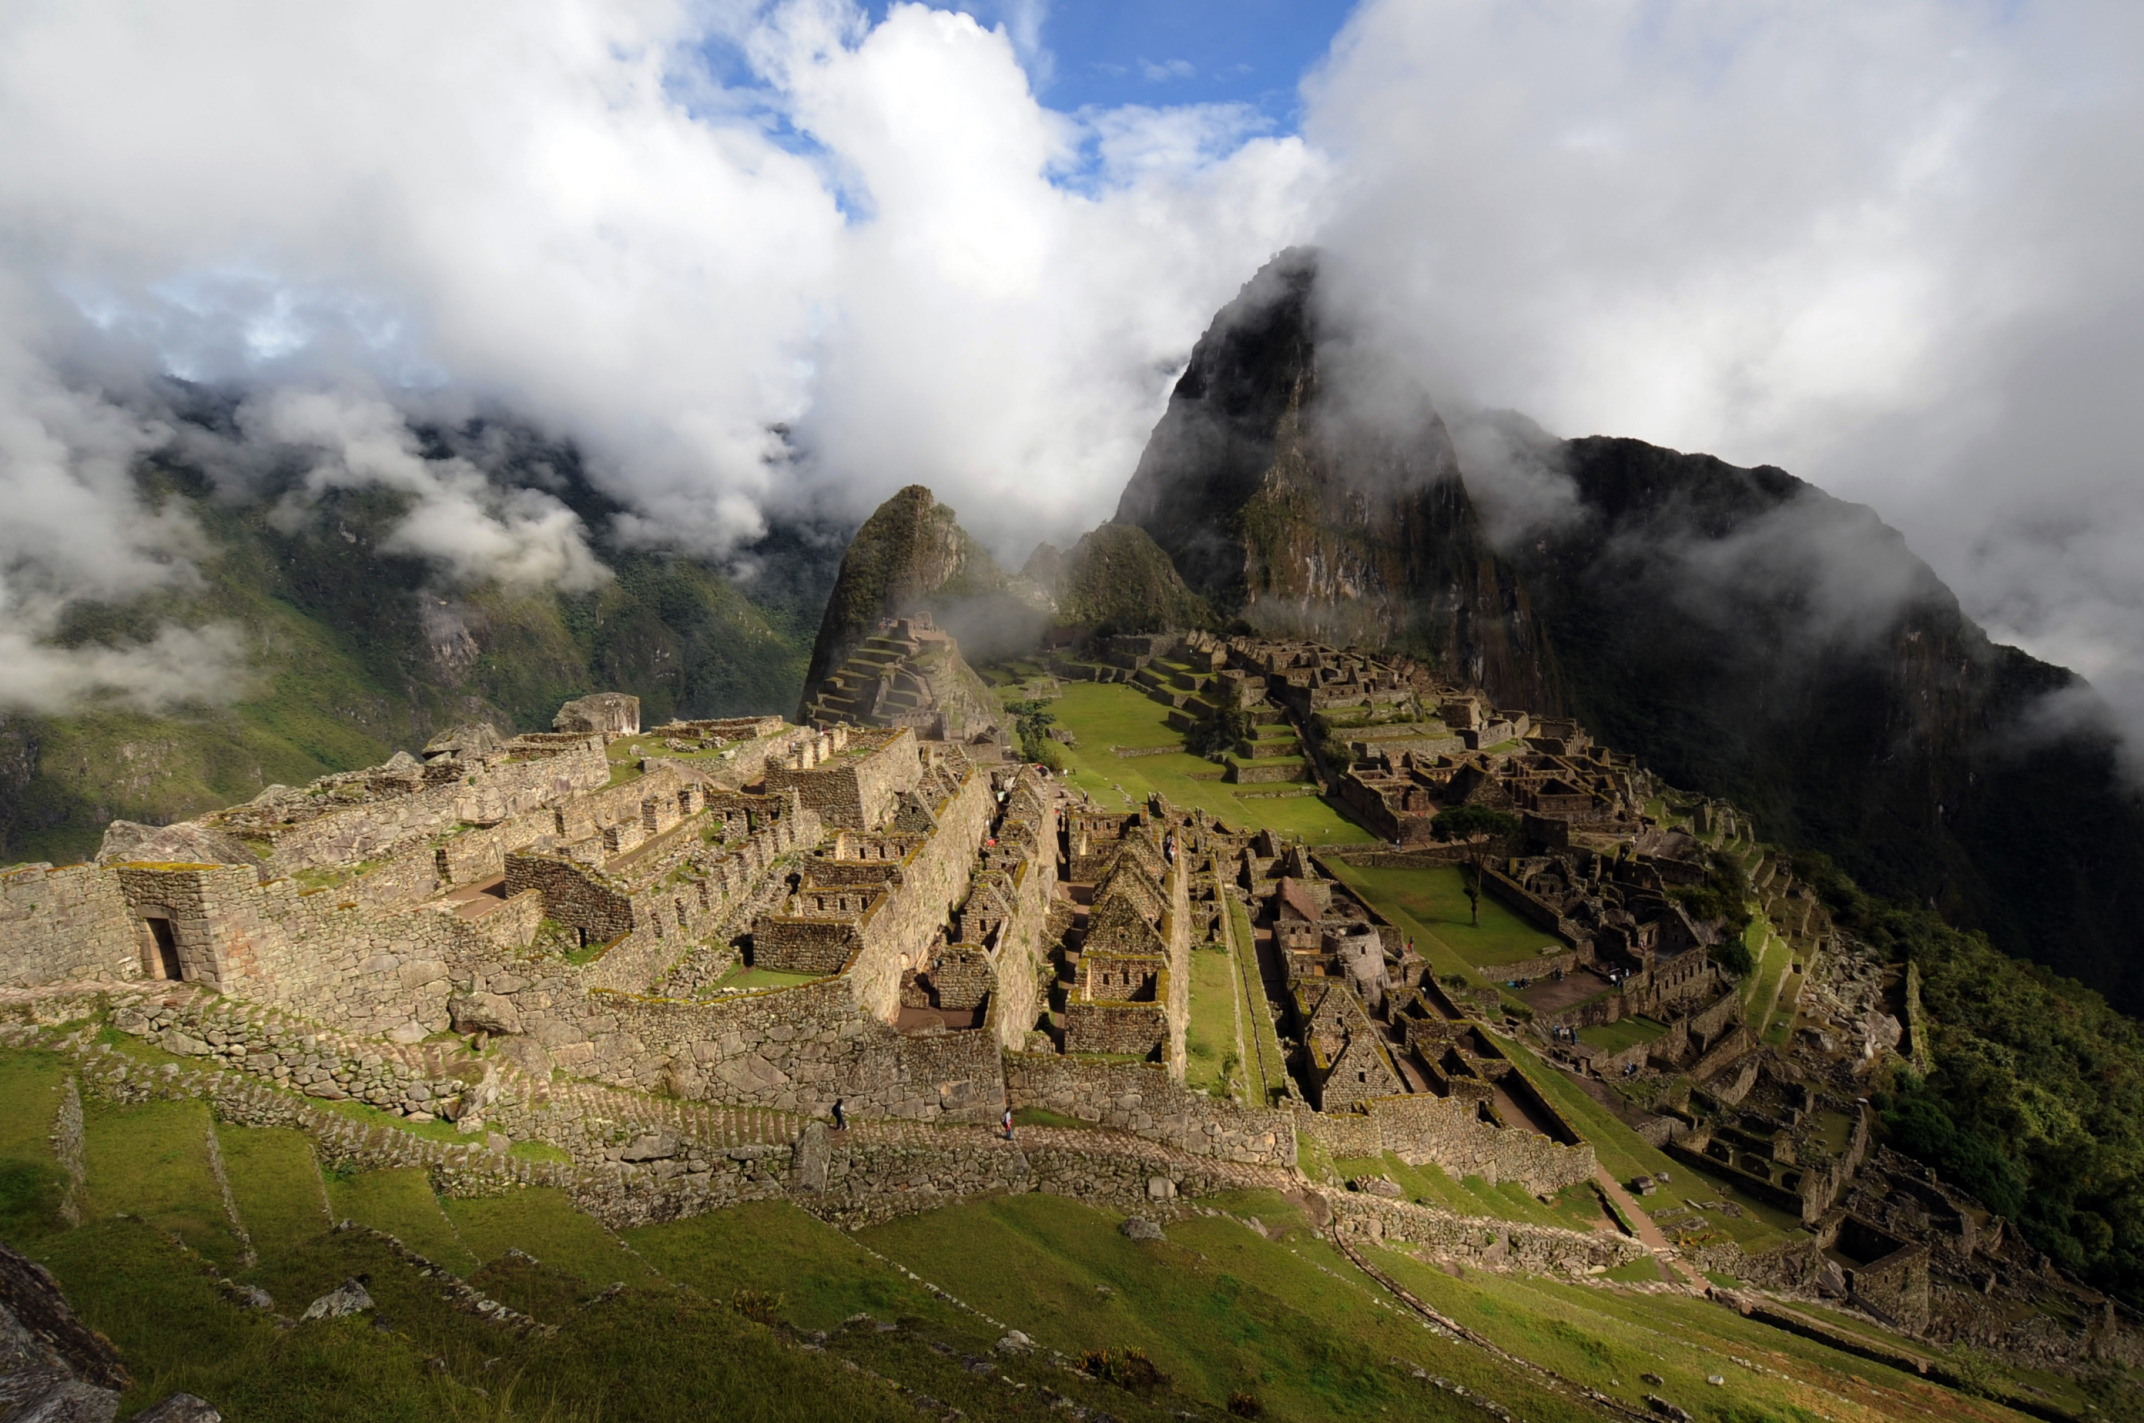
61	925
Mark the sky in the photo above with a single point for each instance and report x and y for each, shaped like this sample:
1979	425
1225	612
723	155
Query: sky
755	257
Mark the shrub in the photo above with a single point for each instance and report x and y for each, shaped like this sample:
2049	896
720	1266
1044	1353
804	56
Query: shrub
1129	1369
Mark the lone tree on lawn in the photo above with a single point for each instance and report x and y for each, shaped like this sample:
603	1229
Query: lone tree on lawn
1473	826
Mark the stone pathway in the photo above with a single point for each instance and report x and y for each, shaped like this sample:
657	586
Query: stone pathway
1648	1233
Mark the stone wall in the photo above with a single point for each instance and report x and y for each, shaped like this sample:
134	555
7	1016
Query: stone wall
1485	1244
500	789
1449	1133
858	789
575	895
1142	1099
1140	1029
62	925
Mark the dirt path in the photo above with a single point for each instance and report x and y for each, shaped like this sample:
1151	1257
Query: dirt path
1649	1234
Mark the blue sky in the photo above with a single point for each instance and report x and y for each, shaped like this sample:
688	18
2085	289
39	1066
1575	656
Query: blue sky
1110	52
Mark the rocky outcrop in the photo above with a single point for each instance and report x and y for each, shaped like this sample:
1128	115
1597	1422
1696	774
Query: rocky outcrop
1297	494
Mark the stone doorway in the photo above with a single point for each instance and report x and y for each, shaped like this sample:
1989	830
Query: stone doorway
166	941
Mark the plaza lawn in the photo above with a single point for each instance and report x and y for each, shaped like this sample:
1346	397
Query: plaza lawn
1105	716
1432	903
1210	1036
1264	1067
1616	1037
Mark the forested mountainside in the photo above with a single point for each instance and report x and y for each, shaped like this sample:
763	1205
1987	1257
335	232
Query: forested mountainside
355	650
1741	631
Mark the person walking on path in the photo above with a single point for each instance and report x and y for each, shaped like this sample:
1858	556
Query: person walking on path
1008	1123
841	1120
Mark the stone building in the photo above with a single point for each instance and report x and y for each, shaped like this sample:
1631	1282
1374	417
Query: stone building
580	898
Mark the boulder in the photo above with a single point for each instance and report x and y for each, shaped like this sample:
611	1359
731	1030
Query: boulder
469	741
187	843
180	1408
348	1298
604	713
528	1055
654	1146
1139	1228
485	1013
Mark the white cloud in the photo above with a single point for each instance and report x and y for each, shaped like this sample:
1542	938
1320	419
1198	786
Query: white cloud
873	237
459	518
1890	246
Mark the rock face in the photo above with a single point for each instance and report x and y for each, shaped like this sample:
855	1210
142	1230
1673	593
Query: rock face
912	557
1752	637
1287	494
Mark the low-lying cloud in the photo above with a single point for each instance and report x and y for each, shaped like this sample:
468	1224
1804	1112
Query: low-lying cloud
1891	247
747	257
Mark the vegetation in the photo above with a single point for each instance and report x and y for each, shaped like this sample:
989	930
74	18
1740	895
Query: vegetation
1105	717
353	652
1474	826
1724	896
1224	728
2035	1100
1033	719
1116	579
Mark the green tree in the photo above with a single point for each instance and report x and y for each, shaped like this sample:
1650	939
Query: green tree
1033	720
1476	827
1220	730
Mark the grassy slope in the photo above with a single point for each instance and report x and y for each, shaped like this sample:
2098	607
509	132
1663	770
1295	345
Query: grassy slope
1221	1308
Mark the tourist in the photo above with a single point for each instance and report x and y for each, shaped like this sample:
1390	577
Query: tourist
1007	1123
841	1120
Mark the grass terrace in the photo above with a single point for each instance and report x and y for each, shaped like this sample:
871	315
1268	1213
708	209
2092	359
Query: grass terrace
1621	1036
1106	716
1211	1059
1432	905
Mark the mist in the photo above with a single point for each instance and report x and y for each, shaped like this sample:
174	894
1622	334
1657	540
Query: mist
748	260
1892	248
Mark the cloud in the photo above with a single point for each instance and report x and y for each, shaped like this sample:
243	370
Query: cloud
745	256
1890	246
471	525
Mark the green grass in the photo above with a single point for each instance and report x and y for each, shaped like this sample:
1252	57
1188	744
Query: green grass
774	1247
177	1332
1625	1033
1265	1070
31	1183
276	1184
541	1221
762	978
1217	1306
401	1203
1210	1036
152	1161
1106	715
1432	905
1606	1340
1773	956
